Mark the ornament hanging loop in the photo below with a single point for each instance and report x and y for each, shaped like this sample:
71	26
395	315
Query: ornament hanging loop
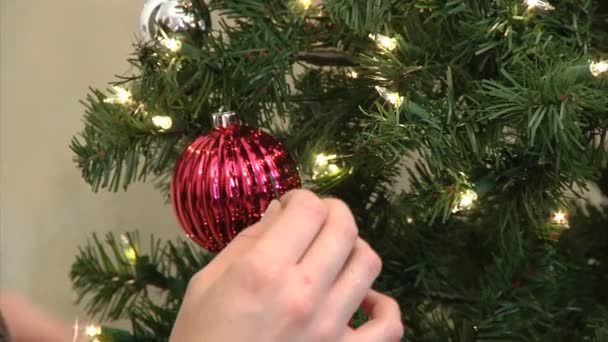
224	119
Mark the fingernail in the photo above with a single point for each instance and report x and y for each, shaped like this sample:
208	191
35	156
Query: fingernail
273	208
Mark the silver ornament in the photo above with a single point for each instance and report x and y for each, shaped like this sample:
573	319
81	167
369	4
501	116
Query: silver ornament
169	15
147	24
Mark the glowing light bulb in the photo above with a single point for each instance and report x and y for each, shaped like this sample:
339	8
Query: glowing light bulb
385	42
544	5
333	168
131	255
393	97
120	96
172	44
466	199
324	167
410	220
162	122
323	159
305	3
560	217
353	74
599	68
92	330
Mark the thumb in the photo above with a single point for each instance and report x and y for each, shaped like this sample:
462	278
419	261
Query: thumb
241	243
272	212
250	235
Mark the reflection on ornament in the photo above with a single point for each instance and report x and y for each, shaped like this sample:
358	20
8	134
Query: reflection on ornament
560	218
539	4
393	97
465	201
120	96
162	122
599	68
385	42
92	330
324	167
172	44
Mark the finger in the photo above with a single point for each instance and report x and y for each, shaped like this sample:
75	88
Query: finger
272	212
243	242
328	253
291	234
384	323
353	283
249	236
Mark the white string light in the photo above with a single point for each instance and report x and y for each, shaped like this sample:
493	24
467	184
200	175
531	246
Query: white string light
129	252
353	74
120	96
385	42
172	44
162	122
305	4
92	330
324	166
560	218
131	255
393	97
598	68
540	4
465	201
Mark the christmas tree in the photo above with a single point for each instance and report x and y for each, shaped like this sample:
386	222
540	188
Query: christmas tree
460	132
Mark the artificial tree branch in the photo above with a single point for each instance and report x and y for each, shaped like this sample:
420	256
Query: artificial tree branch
326	58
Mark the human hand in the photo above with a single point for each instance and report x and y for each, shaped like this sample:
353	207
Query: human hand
298	275
27	322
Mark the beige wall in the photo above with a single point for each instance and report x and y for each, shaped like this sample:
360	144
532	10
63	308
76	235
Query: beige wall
50	52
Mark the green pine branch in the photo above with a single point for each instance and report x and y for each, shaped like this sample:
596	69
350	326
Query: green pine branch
114	277
120	145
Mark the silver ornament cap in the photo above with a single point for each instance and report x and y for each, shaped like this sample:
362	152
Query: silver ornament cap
225	119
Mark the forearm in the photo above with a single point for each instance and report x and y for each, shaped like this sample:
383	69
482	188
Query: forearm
25	322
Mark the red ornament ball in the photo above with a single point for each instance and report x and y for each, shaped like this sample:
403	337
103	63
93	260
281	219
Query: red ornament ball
226	179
